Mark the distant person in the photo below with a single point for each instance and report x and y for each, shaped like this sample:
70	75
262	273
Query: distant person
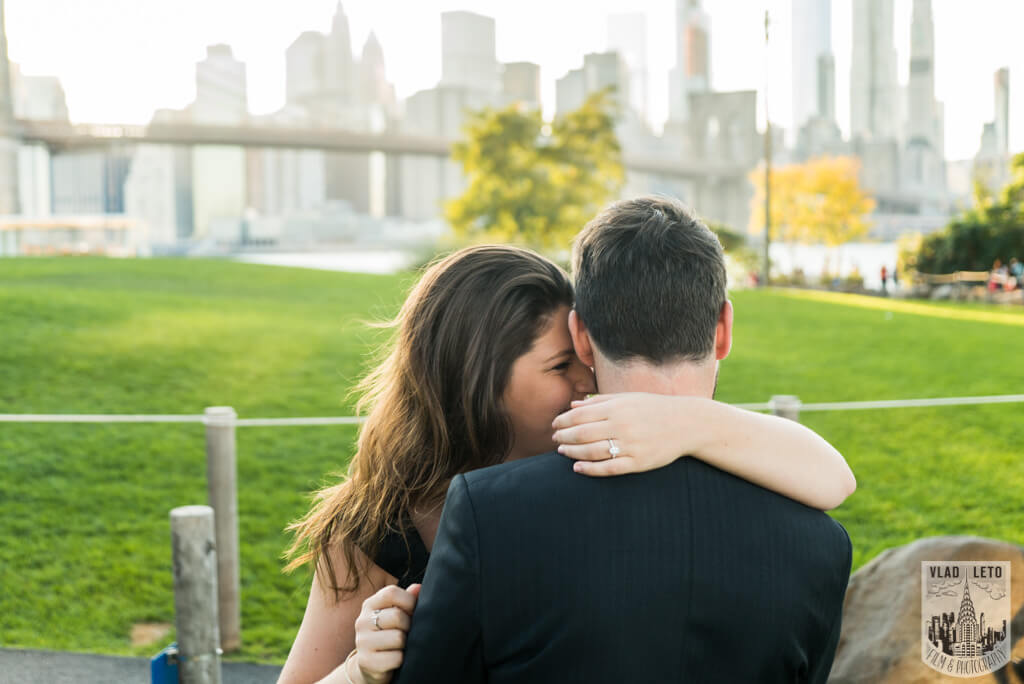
685	573
1017	272
885	277
997	277
895	277
480	363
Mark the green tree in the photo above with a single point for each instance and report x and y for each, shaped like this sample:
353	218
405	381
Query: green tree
536	184
992	229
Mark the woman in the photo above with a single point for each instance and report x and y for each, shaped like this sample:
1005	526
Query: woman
480	367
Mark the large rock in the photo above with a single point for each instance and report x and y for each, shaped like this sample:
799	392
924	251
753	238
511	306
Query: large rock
880	641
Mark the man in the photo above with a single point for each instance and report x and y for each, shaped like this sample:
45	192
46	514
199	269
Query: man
683	574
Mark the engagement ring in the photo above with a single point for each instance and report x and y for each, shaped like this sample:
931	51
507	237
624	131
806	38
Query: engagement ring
612	449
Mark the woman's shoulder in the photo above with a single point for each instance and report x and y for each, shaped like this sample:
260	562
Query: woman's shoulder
402	554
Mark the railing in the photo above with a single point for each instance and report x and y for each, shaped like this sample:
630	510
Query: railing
198	650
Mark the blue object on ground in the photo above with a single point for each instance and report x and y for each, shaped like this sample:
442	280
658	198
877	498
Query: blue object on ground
163	667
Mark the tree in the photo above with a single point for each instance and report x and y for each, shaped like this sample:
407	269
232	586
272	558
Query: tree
992	229
819	201
532	183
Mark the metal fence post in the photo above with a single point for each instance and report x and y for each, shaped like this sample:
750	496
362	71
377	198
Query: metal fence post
194	556
786	406
221	482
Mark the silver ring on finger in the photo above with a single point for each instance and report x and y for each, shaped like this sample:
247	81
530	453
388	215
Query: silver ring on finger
613	449
376	619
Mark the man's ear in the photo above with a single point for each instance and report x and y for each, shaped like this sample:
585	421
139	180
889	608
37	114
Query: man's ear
581	339
723	331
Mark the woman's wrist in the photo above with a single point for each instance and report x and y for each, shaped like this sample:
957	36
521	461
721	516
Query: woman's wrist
348	676
703	416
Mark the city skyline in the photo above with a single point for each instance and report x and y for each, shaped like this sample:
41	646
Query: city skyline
160	72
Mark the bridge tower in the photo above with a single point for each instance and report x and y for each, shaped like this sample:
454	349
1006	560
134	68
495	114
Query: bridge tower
8	132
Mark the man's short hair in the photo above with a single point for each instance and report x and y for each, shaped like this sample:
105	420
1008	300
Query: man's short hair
650	281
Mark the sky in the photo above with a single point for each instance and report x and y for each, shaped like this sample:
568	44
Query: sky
120	60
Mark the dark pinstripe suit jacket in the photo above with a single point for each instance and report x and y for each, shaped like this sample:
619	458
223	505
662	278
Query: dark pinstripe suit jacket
683	574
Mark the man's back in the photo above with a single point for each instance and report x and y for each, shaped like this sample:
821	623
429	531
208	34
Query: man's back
681	574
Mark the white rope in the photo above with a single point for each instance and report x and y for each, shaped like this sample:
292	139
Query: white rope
284	422
912	403
77	418
356	420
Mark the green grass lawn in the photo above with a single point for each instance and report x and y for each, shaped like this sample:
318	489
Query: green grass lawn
84	531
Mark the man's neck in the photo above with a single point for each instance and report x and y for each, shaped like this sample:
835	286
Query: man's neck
680	379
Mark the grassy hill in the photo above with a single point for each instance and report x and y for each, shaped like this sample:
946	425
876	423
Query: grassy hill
84	532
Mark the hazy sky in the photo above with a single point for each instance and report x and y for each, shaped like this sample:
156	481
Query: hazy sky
119	60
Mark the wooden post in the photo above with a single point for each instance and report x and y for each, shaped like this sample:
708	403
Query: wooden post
221	482
194	556
786	406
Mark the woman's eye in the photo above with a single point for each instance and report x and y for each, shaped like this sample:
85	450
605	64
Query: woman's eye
564	366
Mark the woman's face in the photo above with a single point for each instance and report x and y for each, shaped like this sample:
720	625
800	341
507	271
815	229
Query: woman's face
544	380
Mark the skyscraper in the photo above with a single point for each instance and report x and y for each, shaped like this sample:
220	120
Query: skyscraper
8	146
627	35
812	43
468	52
570	91
521	83
692	71
924	163
874	106
218	172
339	68
374	86
922	120
1002	111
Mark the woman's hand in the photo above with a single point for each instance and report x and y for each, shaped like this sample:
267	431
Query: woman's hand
380	632
650	430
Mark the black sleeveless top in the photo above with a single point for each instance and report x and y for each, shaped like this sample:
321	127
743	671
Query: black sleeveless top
403	555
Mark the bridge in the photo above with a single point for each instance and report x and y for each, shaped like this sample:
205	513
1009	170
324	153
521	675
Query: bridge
61	136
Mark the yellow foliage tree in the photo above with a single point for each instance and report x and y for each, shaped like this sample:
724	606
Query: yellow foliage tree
536	184
819	201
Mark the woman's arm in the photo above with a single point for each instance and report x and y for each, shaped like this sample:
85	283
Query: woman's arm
652	430
327	633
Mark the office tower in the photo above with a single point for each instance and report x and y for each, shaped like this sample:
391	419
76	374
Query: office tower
570	91
606	70
991	163
922	118
874	106
41	98
467	52
813	65
9	202
692	71
600	70
338	66
218	172
826	79
521	83
375	90
1002	111
627	35
220	88
304	69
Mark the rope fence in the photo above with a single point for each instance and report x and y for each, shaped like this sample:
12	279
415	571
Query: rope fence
772	405
209	623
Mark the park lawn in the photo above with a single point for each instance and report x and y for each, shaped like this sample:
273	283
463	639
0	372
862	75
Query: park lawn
84	532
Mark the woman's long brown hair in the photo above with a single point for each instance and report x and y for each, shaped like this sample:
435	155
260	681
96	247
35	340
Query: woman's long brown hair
435	402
